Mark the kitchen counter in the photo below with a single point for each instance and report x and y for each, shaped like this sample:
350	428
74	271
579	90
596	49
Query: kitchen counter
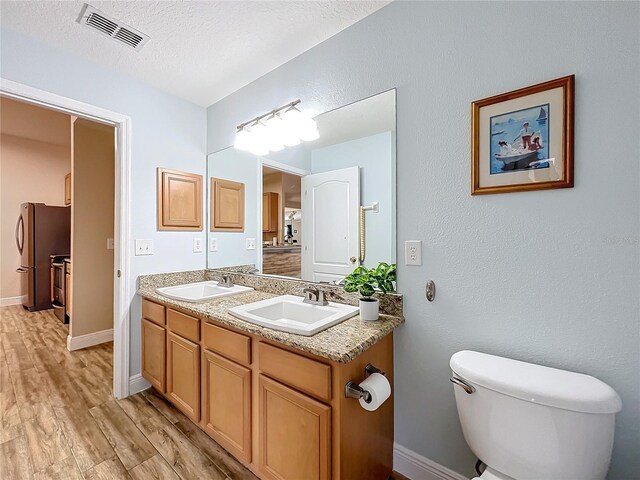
341	343
282	248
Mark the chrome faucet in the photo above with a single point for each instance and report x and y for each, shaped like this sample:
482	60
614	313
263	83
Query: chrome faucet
314	296
226	281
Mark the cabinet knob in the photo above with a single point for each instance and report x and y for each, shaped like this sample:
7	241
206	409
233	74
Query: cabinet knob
352	259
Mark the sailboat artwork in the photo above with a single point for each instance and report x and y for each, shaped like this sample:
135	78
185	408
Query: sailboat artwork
542	117
519	140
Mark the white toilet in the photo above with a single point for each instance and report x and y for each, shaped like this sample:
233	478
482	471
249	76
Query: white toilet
529	422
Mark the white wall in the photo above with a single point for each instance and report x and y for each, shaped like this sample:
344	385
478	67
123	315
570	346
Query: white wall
167	132
549	276
232	164
375	157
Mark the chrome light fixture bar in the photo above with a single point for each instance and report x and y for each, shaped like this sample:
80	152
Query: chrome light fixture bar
282	127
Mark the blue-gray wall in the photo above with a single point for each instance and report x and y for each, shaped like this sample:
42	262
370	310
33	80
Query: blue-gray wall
243	167
375	156
166	132
549	276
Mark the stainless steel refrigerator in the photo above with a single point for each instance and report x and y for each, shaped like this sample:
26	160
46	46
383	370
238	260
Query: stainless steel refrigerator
41	231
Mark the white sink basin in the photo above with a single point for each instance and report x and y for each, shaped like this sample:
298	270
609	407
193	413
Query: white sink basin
201	291
288	313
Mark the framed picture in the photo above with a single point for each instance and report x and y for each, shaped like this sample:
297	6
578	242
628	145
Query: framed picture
523	140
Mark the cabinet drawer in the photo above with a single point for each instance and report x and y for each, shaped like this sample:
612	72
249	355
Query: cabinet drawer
153	311
300	372
183	325
232	345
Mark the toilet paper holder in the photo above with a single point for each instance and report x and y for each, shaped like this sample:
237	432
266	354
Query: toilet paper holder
353	390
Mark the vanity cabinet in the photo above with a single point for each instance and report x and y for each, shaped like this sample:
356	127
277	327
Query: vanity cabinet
226	406
154	337
280	411
295	440
270	212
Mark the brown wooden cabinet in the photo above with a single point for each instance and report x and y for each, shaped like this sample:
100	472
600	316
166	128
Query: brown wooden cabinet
270	212
227	206
226	408
67	189
153	354
179	200
183	375
295	434
280	411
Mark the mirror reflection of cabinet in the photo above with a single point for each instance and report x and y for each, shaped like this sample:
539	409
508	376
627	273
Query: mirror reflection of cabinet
269	212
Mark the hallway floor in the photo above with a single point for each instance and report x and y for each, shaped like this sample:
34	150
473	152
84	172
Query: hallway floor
59	420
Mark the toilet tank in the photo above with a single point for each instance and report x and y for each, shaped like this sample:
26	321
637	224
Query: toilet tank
533	422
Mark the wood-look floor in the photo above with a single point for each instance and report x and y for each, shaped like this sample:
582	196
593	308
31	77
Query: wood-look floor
60	421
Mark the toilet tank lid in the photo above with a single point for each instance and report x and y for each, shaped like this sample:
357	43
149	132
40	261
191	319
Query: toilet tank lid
535	383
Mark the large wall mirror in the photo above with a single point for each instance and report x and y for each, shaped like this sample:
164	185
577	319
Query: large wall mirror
315	211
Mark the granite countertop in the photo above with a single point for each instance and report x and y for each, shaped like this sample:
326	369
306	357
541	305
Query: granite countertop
341	343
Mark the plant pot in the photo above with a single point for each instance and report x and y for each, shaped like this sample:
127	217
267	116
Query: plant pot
369	309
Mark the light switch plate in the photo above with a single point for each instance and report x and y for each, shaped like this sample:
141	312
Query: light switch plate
413	252
144	246
197	245
110	244
251	243
213	244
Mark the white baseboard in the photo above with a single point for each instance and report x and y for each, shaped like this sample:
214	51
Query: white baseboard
137	384
6	301
416	467
89	340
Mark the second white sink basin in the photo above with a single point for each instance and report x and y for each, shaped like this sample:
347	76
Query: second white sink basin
289	313
201	291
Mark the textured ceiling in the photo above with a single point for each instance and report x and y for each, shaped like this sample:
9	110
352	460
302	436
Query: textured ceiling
199	50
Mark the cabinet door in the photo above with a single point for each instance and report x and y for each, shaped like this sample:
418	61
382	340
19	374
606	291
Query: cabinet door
270	212
153	354
227	404
67	189
227	206
179	200
183	375
295	434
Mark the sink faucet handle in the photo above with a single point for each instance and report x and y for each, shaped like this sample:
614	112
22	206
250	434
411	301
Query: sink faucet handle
311	294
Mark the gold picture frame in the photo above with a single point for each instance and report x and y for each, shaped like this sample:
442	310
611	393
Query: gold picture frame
540	157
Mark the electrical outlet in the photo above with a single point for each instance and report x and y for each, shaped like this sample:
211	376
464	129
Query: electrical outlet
251	243
144	247
110	244
213	244
413	252
197	245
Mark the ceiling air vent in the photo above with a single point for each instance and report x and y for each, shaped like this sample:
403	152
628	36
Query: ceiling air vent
95	19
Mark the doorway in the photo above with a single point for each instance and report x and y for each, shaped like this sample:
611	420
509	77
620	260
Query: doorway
121	272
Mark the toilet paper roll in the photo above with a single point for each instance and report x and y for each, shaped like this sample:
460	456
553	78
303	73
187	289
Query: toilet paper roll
379	388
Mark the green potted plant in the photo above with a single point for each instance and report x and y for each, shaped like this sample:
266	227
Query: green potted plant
367	281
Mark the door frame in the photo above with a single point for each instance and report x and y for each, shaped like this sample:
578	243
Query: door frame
283	167
122	206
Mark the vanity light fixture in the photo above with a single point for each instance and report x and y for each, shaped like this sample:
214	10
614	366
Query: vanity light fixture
284	127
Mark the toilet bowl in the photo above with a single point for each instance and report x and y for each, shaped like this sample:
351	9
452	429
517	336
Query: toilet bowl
530	422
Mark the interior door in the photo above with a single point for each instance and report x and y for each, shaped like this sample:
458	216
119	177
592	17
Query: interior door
330	224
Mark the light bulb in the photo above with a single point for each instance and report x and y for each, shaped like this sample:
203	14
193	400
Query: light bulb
275	130
258	139
308	130
243	139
